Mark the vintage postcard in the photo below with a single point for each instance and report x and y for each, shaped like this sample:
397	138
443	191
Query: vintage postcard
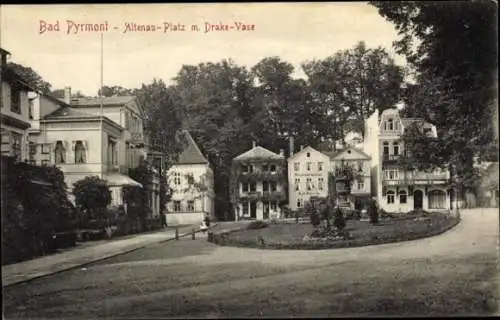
255	160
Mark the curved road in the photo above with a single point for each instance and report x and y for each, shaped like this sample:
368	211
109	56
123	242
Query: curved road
452	274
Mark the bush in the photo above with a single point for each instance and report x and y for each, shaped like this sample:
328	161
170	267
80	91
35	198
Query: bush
315	220
338	220
258	224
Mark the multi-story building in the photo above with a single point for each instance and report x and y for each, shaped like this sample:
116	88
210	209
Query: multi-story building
258	184
14	106
360	162
307	177
133	146
396	189
191	179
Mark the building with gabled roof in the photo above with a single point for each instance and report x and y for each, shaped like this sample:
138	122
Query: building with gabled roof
191	179
258	187
397	189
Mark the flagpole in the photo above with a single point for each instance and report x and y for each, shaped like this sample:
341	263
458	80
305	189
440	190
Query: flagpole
100	91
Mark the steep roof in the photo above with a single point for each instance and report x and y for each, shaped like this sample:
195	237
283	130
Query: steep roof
259	152
308	148
88	102
191	153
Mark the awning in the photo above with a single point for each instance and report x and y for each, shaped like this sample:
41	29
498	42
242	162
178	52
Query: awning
118	180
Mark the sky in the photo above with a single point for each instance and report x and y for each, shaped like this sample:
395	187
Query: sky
71	56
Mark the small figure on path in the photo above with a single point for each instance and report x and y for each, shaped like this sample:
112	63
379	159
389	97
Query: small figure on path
203	226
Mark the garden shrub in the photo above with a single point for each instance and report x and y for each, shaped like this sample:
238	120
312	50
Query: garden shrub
339	220
315	220
258	224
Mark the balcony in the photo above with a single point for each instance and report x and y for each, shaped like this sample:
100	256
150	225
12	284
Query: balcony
250	195
417	177
391	158
136	137
274	195
261	176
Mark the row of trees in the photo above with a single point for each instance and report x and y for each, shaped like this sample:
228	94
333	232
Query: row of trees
451	54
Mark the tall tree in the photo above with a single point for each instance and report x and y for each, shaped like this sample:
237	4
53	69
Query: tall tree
452	47
59	93
215	98
351	84
31	77
109	91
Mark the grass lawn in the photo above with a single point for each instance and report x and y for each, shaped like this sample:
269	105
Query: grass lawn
364	233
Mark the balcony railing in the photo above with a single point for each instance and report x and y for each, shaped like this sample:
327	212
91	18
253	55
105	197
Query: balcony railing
261	176
418	176
273	195
391	157
137	137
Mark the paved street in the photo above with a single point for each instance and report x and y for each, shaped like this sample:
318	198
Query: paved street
450	274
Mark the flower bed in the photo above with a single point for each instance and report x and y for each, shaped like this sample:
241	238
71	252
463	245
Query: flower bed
291	236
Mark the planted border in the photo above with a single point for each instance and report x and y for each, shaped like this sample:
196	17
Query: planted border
224	239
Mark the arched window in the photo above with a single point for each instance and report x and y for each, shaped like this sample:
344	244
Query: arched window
390	124
59	152
437	199
386	147
390	197
403	196
395	147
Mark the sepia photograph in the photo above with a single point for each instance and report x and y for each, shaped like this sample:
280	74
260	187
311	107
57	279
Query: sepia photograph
250	160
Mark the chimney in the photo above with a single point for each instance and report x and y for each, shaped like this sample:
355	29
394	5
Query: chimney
67	95
282	152
291	146
254	144
301	146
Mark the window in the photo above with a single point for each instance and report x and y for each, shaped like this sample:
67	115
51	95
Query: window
361	185
30	109
273	168
32	148
177	178
386	148
308	166
320	183
15	99
297	184
244	169
308	184
403	196
190	206
265	168
265	186
320	166
32	162
273	186
16	145
396	148
390	124
253	187
299	203
80	152
296	166
245	209
391	174
437	199
60	152
274	205
245	187
112	154
45	162
390	197
177	206
308	155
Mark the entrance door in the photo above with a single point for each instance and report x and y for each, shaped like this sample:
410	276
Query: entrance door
418	199
253	210
266	209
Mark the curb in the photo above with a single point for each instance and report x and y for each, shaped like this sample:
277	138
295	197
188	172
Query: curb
97	260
